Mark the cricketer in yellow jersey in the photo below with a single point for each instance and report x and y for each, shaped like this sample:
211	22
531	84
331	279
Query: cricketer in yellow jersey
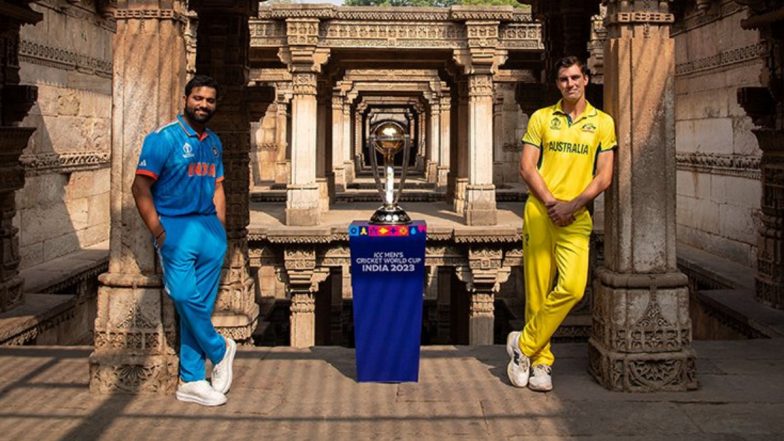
567	161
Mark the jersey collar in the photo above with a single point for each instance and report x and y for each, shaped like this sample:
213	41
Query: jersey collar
589	111
189	130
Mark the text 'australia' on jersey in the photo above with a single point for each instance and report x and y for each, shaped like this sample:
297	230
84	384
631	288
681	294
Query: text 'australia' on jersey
569	149
185	168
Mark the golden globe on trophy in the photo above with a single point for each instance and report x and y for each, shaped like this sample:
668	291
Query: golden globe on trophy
388	138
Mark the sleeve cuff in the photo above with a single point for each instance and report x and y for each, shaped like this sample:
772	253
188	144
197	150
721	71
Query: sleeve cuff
147	173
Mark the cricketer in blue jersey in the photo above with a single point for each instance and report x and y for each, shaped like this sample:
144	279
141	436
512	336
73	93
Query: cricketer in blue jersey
178	191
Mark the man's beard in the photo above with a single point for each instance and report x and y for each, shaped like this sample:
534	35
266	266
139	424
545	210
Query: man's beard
191	113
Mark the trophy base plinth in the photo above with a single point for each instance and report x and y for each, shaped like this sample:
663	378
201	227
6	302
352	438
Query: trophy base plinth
390	215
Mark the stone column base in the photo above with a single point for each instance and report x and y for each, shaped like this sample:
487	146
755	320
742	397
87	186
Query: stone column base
480	208
303	320
339	179
481	320
460	194
442	180
303	207
641	332
350	173
111	373
431	172
282	172
651	372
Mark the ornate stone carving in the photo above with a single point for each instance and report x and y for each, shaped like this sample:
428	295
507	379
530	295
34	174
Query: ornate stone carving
60	58
722	59
483	278
304	84
43	163
720	164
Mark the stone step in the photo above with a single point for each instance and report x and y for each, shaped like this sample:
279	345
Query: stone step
371	195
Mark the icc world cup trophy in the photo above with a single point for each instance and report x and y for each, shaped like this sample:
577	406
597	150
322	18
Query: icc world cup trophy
388	138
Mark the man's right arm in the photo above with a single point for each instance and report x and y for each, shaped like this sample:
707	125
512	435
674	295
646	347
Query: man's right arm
142	195
530	174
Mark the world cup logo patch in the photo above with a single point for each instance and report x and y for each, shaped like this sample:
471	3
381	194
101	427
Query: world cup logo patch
555	123
215	152
187	151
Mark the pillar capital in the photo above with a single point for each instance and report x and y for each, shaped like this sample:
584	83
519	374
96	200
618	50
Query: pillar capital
480	60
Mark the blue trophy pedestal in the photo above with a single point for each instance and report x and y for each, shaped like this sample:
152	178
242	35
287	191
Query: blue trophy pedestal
388	278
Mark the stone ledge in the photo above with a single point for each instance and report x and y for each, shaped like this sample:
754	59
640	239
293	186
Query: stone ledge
39	313
65	270
733	293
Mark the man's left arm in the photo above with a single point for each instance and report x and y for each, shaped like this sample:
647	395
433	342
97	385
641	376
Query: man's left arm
219	199
601	180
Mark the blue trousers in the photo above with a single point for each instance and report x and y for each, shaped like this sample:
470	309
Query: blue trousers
192	257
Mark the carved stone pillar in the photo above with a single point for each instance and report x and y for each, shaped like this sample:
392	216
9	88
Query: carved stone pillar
766	107
499	131
348	157
480	61
15	101
338	161
641	334
460	154
434	144
323	168
222	53
444	153
483	278
358	140
421	140
304	62
283	96
135	328
303	279
480	206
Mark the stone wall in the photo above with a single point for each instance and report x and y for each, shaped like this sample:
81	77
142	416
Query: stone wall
64	205
718	178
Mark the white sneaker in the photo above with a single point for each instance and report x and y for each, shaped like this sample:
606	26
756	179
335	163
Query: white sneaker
519	365
200	392
541	379
222	372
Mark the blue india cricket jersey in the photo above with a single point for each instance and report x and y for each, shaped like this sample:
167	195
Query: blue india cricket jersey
185	168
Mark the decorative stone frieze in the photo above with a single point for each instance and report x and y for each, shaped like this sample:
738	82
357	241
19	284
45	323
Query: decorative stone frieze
722	59
70	162
423	28
641	334
61	58
718	164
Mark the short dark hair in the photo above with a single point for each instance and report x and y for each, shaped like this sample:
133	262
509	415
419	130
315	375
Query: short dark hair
570	61
201	81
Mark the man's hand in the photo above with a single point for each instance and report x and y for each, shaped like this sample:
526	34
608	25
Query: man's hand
561	212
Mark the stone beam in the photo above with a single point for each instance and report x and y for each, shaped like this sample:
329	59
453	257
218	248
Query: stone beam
641	335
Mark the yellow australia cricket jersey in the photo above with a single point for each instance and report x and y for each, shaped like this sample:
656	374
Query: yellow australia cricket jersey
569	149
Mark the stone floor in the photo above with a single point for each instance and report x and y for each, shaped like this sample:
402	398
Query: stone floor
463	393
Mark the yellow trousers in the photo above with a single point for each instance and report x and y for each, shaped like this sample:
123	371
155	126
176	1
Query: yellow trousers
547	248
